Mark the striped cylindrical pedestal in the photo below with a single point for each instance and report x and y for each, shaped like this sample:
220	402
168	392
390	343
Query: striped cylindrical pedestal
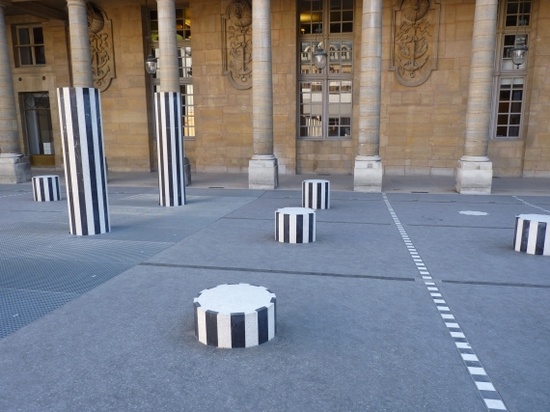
46	188
295	225
170	149
532	234
316	194
235	316
84	160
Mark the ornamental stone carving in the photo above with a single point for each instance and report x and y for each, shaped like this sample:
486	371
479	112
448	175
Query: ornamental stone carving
101	47
415	35
237	44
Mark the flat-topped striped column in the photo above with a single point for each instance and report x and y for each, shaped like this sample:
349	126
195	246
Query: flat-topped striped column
170	149
316	194
84	160
46	188
532	234
235	316
295	225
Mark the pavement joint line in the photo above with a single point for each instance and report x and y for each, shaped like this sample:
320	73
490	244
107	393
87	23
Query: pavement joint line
530	204
285	272
490	396
483	283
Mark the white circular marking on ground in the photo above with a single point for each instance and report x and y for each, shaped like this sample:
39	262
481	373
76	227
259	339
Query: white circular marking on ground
473	213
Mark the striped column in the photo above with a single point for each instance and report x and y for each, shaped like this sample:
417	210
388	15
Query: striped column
84	160
170	148
46	188
532	234
235	316
316	194
295	225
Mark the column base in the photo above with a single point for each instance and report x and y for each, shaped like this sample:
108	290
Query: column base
367	174
14	168
263	173
474	175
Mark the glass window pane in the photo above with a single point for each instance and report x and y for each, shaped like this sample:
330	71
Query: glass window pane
24	36
25	56
38	36
40	55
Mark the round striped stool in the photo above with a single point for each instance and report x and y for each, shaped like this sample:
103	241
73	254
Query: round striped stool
316	194
295	225
46	188
235	316
532	234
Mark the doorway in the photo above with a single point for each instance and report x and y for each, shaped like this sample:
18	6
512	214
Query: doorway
37	123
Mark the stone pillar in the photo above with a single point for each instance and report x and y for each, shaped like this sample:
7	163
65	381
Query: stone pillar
14	167
168	111
367	173
262	168
474	171
79	37
81	122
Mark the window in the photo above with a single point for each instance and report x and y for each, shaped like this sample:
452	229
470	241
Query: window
183	27
510	79
325	95
29	45
37	123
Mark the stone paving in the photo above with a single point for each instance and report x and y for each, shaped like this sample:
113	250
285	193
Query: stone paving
106	322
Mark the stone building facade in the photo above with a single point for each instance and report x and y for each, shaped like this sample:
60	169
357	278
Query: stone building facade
410	87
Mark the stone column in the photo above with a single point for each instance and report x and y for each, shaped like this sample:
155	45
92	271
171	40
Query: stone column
367	173
81	123
79	37
474	171
262	168
171	172
14	167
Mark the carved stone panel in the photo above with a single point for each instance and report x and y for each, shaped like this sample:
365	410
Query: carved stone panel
415	36
237	44
101	47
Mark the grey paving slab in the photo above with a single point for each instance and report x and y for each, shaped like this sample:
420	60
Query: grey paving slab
342	344
510	330
354	249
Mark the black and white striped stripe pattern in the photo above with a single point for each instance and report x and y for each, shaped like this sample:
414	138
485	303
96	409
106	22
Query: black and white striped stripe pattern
491	398
46	188
532	234
84	158
170	148
316	194
235	316
295	225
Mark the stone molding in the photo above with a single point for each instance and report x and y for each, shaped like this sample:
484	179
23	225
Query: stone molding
101	47
237	44
415	37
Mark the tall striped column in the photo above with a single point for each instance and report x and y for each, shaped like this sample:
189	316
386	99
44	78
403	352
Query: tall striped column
84	160
170	148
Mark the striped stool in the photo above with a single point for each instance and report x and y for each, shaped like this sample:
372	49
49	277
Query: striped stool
532	234
235	316
46	188
316	194
295	225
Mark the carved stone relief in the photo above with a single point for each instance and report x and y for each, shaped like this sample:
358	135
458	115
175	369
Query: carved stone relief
237	44
101	47
415	36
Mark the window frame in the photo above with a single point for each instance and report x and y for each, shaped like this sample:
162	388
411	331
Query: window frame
506	72
32	46
325	79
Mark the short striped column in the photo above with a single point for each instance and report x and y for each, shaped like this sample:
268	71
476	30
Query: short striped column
316	194
46	188
235	316
170	148
532	234
295	225
84	160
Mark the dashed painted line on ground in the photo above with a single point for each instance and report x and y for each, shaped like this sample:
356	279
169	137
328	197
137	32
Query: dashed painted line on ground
530	204
485	387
